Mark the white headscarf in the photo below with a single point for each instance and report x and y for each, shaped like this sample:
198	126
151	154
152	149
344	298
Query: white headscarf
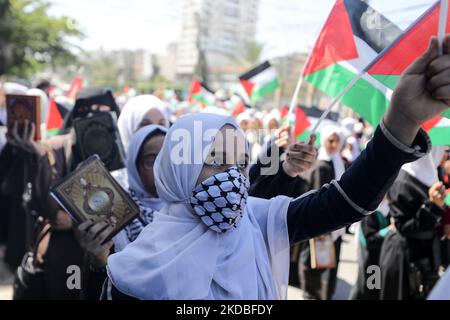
178	257
336	159
348	124
351	155
425	169
148	203
133	113
134	179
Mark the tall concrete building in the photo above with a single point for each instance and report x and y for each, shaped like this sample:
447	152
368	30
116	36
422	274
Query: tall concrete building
214	37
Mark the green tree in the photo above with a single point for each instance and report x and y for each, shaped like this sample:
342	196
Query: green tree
31	39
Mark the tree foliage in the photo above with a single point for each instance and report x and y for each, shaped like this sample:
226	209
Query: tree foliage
31	39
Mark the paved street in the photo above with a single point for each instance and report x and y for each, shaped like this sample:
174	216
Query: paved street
346	273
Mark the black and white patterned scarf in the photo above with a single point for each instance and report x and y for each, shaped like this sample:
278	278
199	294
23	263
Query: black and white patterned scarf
134	228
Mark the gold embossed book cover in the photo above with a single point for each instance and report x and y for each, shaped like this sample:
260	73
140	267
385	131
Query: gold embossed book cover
21	108
91	192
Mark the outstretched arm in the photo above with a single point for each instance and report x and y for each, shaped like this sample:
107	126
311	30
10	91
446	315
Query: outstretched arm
422	94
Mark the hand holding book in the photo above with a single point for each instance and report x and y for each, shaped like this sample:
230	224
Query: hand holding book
91	193
24	140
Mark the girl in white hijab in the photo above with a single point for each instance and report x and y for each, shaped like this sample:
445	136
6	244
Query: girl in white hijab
140	111
334	156
141	156
179	257
212	241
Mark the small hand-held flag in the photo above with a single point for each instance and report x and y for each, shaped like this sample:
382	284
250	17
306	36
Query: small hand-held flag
201	93
260	81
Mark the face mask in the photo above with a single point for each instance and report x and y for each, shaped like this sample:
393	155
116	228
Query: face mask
220	200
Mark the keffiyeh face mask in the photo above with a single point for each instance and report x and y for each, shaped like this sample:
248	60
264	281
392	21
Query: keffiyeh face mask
220	200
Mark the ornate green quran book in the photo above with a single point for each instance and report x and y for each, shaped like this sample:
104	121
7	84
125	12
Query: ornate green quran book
91	192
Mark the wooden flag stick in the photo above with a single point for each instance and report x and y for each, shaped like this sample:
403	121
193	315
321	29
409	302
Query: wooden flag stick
291	113
443	11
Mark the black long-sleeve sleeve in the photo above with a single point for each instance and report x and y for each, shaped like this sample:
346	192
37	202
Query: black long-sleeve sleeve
359	191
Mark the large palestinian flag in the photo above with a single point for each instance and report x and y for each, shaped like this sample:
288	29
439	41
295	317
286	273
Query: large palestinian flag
201	93
353	36
260	81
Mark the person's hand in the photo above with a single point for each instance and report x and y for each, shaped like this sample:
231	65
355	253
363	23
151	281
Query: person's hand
283	136
25	141
300	157
423	93
91	236
436	194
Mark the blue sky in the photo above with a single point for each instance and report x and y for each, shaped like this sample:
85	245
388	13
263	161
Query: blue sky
284	25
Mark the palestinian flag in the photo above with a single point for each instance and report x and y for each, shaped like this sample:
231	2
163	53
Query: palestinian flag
77	84
235	105
440	132
447	199
260	81
54	119
284	112
301	122
353	36
201	93
405	50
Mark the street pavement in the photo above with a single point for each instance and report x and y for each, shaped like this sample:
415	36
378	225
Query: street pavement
347	272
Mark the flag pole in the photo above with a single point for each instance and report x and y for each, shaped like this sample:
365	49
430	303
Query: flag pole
335	101
443	11
442	28
297	91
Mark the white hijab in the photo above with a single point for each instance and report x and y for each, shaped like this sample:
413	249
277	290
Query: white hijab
147	202
336	159
133	113
130	118
134	179
425	169
178	257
